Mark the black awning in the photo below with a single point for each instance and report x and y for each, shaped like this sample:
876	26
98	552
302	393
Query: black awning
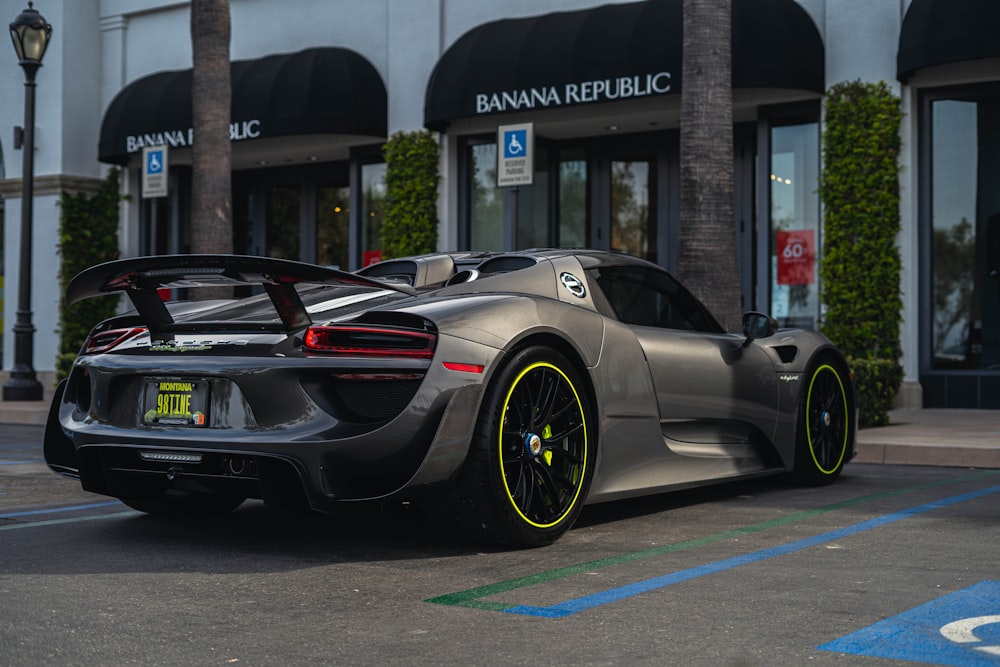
938	32
610	53
316	91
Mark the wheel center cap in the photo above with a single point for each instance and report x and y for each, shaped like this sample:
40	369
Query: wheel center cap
533	444
827	419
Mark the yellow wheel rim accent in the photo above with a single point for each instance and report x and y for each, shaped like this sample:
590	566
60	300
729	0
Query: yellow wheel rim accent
547	455
809	425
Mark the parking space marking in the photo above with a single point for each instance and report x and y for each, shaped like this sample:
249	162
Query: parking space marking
472	598
613	595
57	510
60	510
961	628
56	522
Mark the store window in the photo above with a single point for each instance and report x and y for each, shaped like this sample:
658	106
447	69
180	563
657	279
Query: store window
795	229
165	222
300	214
533	205
333	231
572	227
965	234
503	217
485	199
372	211
283	221
633	220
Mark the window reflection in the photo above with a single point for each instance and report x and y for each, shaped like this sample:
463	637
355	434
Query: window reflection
795	232
333	228
372	211
283	222
965	234
633	227
486	210
573	200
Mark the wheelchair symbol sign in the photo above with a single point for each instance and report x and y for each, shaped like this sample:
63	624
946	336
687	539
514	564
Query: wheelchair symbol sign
154	162
514	143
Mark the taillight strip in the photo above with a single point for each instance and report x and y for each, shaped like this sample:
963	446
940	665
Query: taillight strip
367	341
102	341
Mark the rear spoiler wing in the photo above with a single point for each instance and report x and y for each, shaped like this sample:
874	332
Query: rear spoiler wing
141	277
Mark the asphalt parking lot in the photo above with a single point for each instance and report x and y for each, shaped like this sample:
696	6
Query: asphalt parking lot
891	565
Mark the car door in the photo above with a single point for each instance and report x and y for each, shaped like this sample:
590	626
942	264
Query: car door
717	395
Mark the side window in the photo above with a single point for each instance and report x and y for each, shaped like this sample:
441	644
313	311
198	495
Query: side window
645	297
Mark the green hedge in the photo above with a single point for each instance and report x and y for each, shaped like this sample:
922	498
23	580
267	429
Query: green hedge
877	381
88	235
410	224
860	267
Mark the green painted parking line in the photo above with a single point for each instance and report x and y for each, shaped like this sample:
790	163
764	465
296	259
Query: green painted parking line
471	598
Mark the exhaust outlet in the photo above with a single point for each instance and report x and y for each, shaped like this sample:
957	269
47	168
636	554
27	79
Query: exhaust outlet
238	466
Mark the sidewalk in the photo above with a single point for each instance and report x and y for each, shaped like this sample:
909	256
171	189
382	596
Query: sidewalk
25	412
960	438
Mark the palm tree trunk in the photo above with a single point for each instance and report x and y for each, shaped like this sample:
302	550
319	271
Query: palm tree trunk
211	95
707	260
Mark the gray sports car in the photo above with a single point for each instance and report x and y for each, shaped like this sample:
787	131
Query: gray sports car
500	391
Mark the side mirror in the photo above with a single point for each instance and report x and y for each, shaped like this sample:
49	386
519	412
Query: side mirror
758	325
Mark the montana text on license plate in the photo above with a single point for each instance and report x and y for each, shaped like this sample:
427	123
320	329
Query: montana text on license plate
176	402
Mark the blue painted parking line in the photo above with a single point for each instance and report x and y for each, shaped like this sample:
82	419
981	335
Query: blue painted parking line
56	510
586	602
961	628
76	519
63	510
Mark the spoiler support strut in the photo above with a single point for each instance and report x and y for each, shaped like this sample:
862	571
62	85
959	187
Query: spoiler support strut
141	277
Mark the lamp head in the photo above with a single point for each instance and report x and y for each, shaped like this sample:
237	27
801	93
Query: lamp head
30	33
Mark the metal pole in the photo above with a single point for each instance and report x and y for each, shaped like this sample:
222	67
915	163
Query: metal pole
22	385
510	216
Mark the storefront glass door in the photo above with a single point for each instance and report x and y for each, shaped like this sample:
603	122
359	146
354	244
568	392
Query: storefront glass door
965	235
794	224
633	225
960	255
284	212
333	231
573	220
301	214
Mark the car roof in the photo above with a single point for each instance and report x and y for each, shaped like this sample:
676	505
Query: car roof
437	269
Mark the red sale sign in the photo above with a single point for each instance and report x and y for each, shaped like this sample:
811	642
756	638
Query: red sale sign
796	257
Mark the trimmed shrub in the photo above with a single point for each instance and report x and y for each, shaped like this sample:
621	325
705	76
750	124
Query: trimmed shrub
860	267
410	224
88	235
876	382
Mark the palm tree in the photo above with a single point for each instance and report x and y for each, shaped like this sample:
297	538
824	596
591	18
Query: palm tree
211	94
707	260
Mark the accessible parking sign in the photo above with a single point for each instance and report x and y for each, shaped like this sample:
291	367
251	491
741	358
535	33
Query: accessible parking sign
154	171
515	155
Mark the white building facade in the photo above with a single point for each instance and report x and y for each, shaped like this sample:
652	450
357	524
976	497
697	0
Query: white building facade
319	85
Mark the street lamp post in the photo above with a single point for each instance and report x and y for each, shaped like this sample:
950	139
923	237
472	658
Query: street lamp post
30	34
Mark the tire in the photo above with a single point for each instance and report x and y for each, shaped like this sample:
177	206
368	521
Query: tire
185	505
825	428
532	455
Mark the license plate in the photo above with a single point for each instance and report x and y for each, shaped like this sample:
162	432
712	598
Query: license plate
176	402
